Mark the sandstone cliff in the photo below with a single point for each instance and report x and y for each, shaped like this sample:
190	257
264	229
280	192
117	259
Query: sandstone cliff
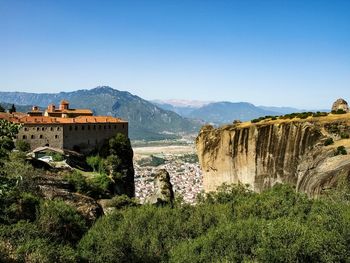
276	151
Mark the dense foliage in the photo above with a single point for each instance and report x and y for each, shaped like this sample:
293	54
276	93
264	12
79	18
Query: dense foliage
232	225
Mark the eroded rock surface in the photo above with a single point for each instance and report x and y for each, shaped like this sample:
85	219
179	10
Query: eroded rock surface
55	188
163	189
280	151
340	104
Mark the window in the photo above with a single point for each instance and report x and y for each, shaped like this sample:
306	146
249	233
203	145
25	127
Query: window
26	129
115	127
123	126
89	127
94	127
82	127
70	128
58	128
76	128
32	137
51	129
56	136
41	136
109	126
88	142
43	129
37	128
104	127
24	137
99	127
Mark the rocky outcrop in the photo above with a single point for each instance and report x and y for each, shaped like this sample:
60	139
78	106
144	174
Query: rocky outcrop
163	189
55	188
340	104
279	151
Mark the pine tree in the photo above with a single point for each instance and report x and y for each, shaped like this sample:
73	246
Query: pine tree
2	109
13	108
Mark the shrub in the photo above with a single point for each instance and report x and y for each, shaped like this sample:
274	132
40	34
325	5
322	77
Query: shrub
328	141
341	150
344	135
98	186
339	111
22	146
56	157
122	201
60	222
78	181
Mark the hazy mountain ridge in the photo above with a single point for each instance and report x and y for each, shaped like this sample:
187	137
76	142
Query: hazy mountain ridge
222	112
146	120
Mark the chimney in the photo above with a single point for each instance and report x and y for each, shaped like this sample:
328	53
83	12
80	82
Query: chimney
51	108
64	105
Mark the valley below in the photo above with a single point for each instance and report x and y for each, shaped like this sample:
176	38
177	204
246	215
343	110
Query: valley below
179	160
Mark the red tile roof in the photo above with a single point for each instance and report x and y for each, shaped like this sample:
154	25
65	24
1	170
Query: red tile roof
77	120
21	118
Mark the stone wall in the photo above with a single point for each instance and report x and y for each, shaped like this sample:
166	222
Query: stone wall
86	137
42	135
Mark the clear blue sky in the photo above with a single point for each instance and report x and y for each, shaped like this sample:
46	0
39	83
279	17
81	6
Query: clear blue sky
294	53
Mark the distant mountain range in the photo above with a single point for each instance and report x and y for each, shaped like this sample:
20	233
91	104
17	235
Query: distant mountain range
146	120
224	112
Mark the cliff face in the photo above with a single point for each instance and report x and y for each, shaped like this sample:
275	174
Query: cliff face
280	151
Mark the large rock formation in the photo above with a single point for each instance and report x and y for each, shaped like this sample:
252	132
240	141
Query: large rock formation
340	104
163	189
279	151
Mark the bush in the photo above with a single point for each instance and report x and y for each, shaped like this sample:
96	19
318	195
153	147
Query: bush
328	141
22	146
339	111
98	186
60	222
344	135
78	181
122	201
340	150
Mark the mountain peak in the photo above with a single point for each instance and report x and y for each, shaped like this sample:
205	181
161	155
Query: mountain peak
103	88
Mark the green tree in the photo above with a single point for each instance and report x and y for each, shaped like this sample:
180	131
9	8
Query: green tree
12	109
2	109
94	162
